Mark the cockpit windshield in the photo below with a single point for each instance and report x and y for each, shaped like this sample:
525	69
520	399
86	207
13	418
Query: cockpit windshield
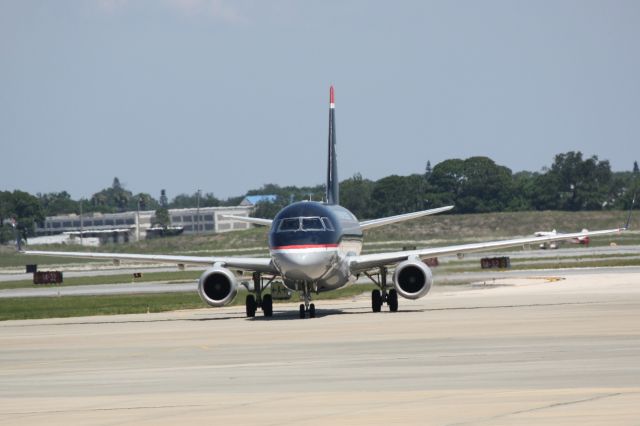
305	224
291	224
312	224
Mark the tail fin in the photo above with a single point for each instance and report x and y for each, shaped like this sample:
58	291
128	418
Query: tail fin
333	190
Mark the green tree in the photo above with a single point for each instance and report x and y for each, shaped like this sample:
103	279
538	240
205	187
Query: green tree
55	203
24	208
474	185
162	218
582	184
394	195
183	201
113	199
164	201
355	195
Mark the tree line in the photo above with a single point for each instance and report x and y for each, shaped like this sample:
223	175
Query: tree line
473	185
478	185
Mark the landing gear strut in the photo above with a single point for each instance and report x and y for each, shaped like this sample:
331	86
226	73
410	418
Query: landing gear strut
252	303
307	306
380	296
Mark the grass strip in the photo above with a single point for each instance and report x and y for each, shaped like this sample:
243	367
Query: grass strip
79	306
172	277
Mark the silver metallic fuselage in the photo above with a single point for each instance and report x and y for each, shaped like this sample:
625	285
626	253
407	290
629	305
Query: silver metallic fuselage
318	251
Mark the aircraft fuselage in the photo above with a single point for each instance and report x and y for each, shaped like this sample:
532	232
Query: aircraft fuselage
310	242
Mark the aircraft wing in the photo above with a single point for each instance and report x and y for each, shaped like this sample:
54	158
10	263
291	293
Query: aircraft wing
254	220
245	263
368	261
367	224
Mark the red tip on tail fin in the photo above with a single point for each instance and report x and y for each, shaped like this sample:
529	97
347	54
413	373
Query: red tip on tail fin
331	98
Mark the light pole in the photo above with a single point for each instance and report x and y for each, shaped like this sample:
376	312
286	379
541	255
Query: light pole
138	221
81	225
198	212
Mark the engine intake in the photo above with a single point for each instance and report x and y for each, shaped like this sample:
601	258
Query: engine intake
412	279
217	286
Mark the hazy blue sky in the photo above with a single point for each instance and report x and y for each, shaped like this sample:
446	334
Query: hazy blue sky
228	95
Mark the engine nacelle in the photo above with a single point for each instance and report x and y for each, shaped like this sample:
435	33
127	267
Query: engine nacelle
217	286
412	279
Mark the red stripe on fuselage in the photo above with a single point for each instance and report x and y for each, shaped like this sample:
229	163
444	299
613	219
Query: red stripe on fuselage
304	246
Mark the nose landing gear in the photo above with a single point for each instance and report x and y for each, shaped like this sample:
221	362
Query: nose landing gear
307	306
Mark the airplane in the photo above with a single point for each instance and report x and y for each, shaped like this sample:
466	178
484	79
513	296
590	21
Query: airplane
584	240
316	247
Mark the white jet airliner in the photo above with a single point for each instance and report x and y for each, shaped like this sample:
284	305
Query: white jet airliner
315	247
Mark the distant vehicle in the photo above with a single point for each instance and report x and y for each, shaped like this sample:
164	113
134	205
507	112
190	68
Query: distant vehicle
584	239
315	247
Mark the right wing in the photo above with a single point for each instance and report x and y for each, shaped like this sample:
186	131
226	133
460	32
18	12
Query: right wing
368	261
244	263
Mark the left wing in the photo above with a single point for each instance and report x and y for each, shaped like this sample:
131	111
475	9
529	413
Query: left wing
254	220
367	261
244	263
367	224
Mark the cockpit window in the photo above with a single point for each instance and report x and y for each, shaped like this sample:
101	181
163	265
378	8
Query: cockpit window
291	224
327	224
312	224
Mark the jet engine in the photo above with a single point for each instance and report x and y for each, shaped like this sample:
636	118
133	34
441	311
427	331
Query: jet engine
412	279
217	286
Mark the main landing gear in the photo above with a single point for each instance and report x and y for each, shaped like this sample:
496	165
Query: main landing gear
307	306
380	295
252	303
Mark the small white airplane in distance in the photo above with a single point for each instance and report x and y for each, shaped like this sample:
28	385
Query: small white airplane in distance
554	245
316	247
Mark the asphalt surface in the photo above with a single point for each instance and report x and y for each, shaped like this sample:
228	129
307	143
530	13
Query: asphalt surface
512	352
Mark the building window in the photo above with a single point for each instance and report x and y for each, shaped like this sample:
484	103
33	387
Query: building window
208	226
208	218
187	218
176	218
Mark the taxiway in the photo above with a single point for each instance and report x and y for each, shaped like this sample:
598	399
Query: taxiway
517	351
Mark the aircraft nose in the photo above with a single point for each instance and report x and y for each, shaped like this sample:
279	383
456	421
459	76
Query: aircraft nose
300	265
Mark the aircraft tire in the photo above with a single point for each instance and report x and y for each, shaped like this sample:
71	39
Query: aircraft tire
302	311
393	300
267	305
376	301
312	311
250	305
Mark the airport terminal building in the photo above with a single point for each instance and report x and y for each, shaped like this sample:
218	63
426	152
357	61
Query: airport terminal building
133	226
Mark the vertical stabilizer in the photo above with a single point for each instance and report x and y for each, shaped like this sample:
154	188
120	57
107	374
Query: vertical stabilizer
333	191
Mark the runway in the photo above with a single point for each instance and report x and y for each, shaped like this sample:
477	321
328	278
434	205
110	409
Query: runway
517	351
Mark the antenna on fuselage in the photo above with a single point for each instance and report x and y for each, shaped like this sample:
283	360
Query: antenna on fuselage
333	190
